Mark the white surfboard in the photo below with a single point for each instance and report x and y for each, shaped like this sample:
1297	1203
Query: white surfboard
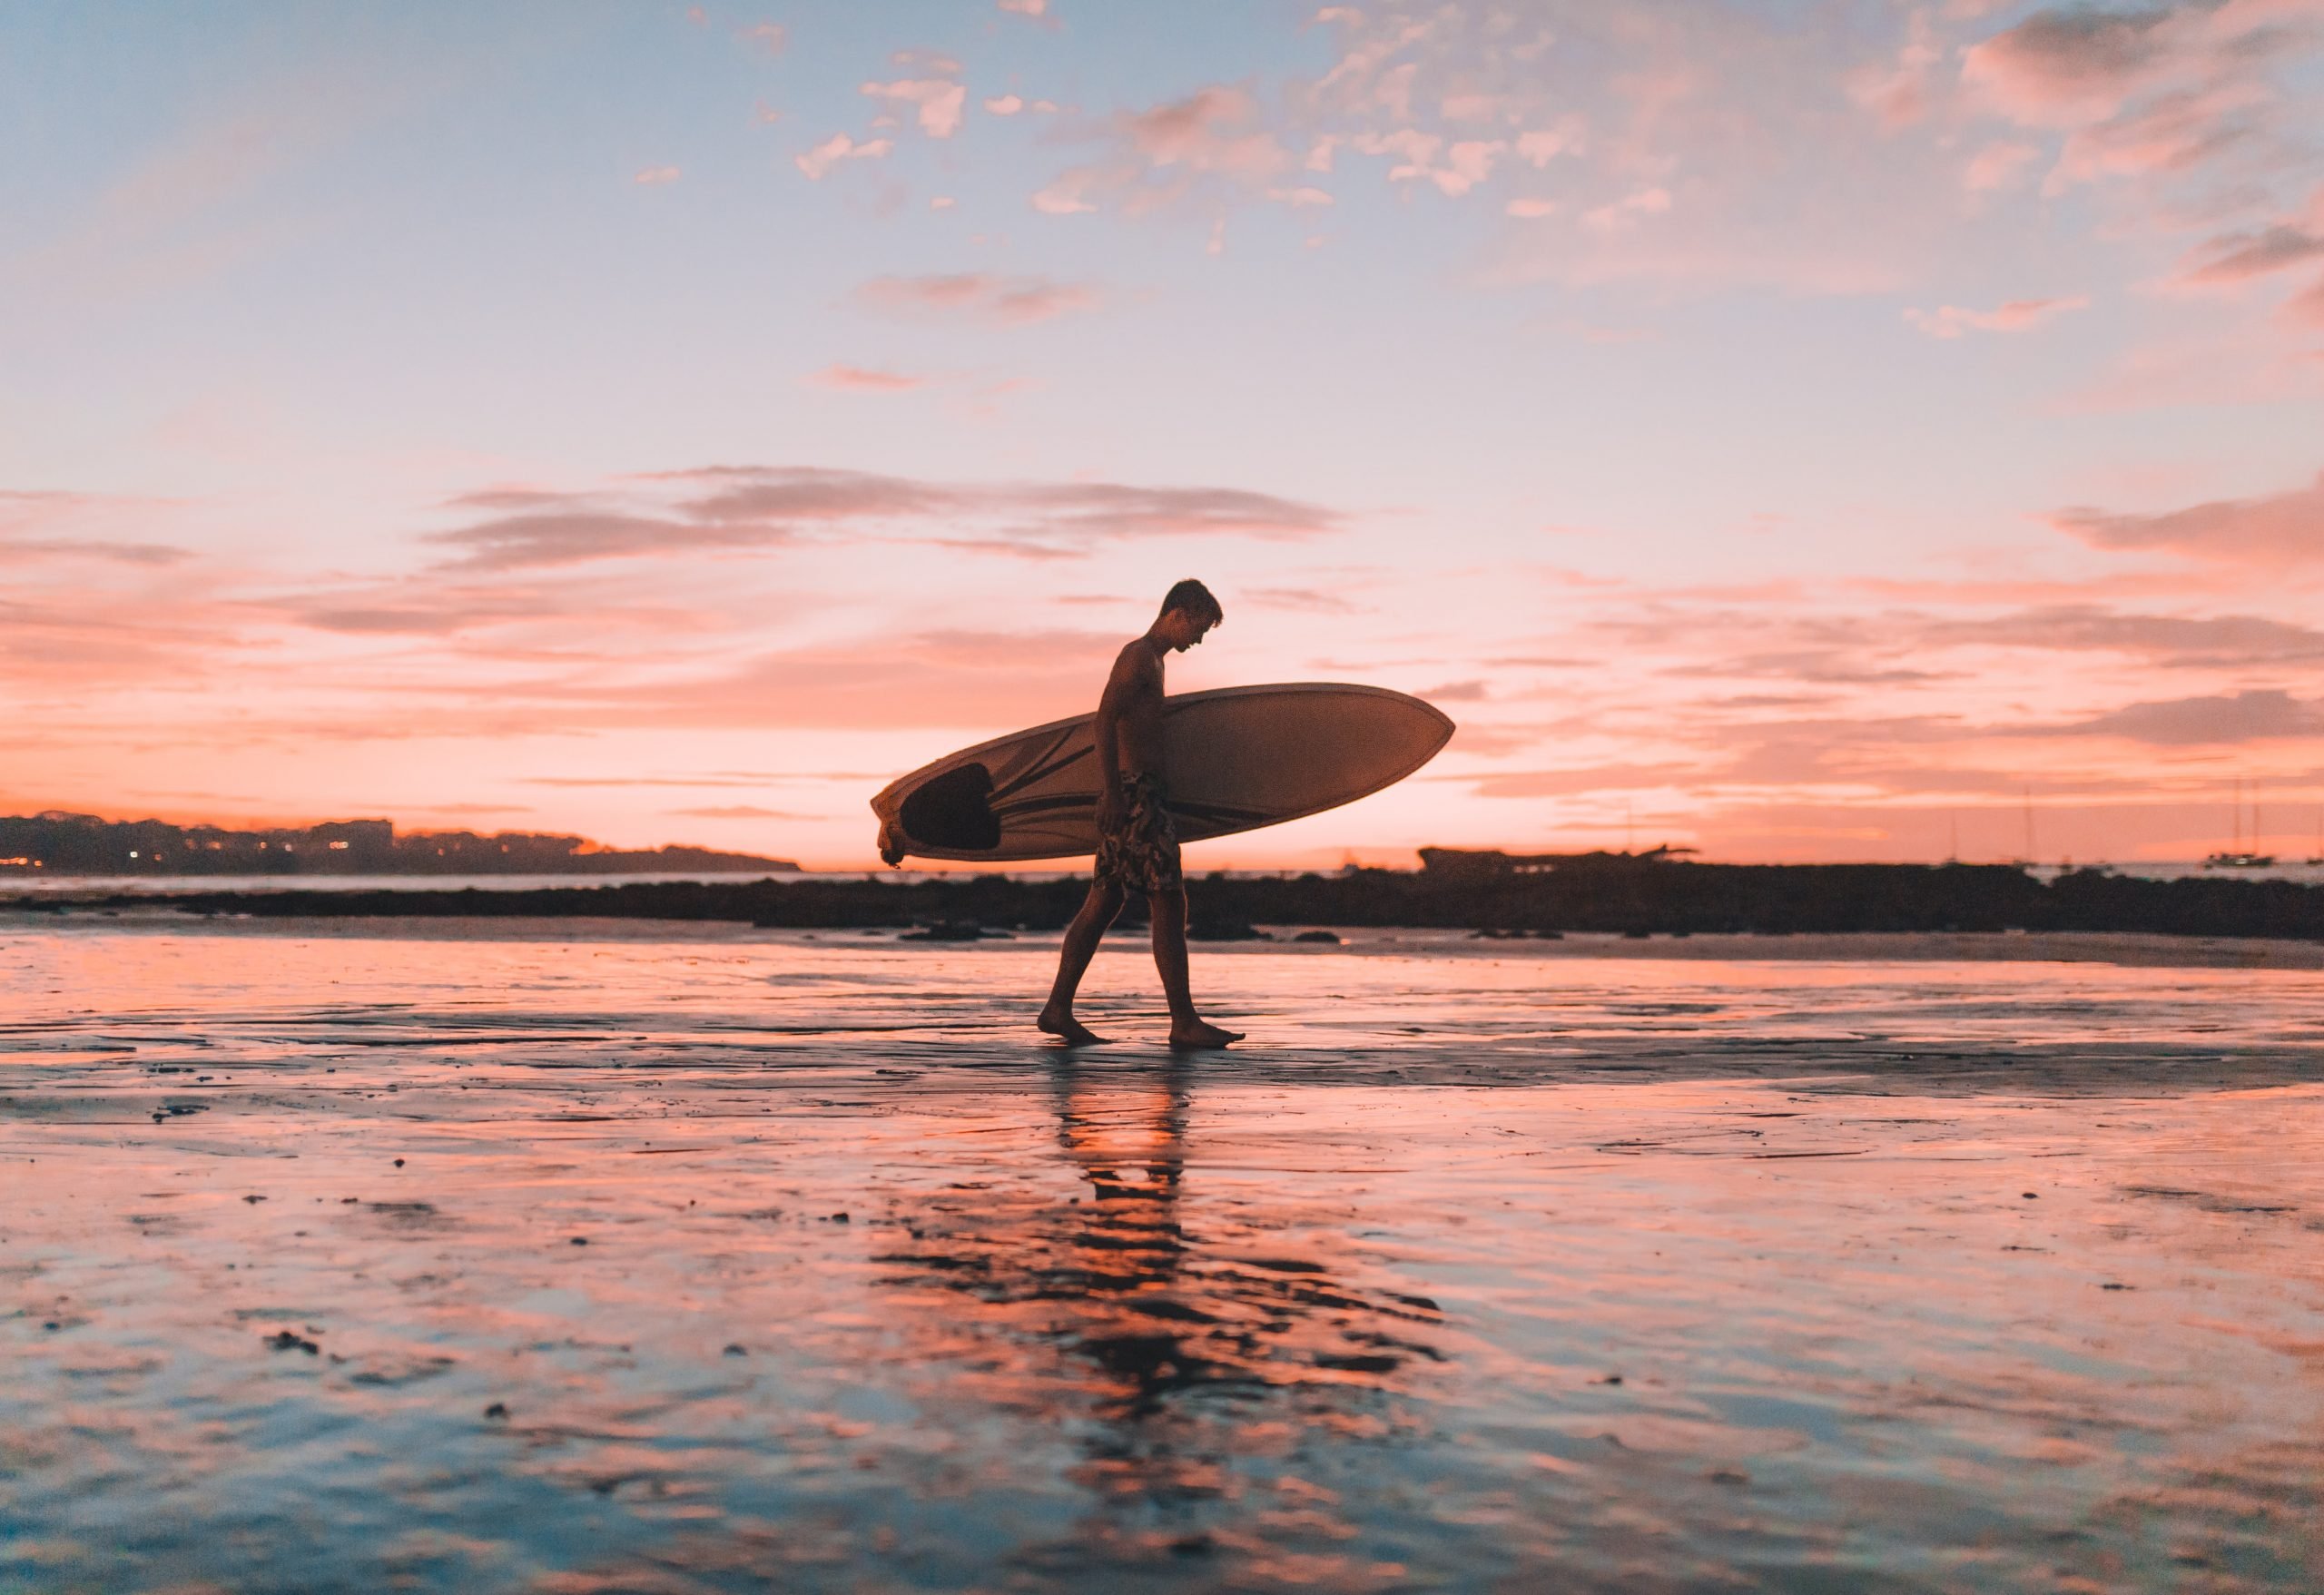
1239	758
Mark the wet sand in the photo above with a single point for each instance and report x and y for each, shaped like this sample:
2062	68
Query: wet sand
728	1260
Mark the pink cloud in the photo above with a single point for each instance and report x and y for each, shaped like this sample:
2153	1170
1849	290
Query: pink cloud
863	379
656	174
2238	256
820	160
1997	166
2277	530
1626	211
2163	94
736	509
1066	194
525	541
1541	147
737	811
2063	66
767	36
1214	139
54	525
1004	105
979	297
1212	129
2017	315
1615	777
2254	715
2167	641
938	102
1899	92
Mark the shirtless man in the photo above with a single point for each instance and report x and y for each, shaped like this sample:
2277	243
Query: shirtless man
1138	843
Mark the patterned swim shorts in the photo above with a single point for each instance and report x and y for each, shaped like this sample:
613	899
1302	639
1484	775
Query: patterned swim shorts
1142	852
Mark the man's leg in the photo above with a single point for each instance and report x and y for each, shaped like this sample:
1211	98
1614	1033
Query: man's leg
1081	939
1187	1026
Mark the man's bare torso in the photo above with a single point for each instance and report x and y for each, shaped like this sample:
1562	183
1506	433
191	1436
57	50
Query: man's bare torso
1133	702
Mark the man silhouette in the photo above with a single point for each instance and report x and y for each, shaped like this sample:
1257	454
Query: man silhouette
1138	843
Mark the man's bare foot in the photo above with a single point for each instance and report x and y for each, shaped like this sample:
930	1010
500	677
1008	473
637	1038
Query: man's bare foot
1199	1034
1069	1029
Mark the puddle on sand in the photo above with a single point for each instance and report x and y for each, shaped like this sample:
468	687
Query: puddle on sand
1474	1274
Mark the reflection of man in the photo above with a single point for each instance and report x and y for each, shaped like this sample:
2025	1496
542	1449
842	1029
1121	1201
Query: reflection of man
1137	845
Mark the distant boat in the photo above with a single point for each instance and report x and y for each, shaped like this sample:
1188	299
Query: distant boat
2237	856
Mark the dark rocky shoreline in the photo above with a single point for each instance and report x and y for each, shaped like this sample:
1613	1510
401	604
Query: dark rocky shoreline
1639	897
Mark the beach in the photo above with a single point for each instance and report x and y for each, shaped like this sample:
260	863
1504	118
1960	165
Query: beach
529	1256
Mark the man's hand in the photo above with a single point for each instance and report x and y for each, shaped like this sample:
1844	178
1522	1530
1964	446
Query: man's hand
1109	807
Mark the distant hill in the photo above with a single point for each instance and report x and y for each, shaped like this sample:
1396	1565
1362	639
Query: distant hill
58	843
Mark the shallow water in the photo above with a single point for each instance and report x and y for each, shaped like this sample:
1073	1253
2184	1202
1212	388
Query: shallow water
1479	1268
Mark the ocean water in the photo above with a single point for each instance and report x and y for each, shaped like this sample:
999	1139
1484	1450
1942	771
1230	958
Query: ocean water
342	1255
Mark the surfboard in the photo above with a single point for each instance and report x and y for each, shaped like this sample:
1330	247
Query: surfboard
1239	758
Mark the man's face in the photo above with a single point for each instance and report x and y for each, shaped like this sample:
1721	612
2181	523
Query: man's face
1186	630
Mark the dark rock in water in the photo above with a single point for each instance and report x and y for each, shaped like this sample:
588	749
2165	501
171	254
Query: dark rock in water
285	1340
580	1240
955	931
1320	938
1226	931
737	1351
496	1410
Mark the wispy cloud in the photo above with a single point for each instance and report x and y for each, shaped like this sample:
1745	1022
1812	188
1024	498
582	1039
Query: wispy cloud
2276	529
2017	315
981	297
739	812
864	380
2257	715
2237	257
729	509
820	160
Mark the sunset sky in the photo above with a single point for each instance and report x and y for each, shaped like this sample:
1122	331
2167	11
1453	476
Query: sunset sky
1800	430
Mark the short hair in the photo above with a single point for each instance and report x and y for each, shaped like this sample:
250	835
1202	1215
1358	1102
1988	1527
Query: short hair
1195	599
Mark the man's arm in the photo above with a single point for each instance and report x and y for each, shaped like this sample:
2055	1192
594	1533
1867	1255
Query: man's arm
1110	746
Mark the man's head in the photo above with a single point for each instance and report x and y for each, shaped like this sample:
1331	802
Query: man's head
1188	610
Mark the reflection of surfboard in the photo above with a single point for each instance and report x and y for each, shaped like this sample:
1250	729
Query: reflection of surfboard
1239	758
